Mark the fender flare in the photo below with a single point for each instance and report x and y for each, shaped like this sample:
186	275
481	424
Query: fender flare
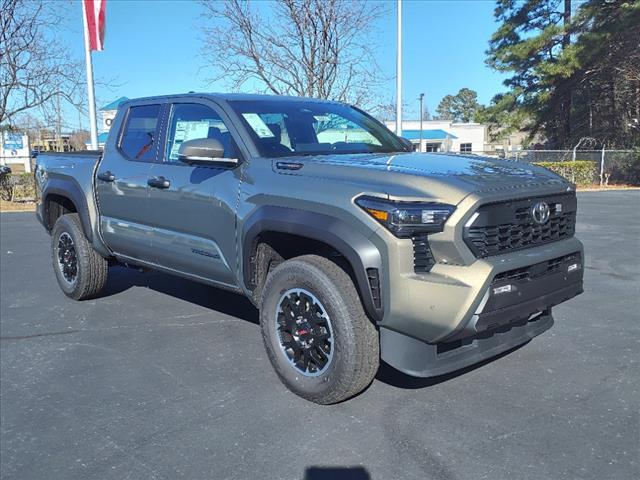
69	189
359	251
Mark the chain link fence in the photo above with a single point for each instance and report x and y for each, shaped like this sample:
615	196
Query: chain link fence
584	167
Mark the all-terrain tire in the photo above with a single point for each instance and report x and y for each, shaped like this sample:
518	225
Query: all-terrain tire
90	268
355	341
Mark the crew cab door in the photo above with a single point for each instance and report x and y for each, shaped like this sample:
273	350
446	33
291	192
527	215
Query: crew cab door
121	182
192	207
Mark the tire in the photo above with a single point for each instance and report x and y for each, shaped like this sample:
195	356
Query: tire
70	247
351	352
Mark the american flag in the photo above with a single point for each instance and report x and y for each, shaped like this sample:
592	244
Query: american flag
94	12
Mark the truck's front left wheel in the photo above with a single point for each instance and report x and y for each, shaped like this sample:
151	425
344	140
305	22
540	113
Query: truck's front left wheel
320	341
80	271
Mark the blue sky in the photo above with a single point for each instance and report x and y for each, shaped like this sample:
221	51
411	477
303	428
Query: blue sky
153	47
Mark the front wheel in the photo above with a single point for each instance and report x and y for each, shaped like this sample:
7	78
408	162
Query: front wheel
319	340
81	272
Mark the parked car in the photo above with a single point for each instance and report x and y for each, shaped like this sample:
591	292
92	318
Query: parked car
353	247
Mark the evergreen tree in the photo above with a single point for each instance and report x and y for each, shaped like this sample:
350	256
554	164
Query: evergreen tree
461	107
573	73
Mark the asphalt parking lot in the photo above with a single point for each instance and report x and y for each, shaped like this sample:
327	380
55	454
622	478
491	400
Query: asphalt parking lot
164	378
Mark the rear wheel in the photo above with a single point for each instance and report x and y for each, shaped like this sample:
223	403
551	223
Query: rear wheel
319	340
81	272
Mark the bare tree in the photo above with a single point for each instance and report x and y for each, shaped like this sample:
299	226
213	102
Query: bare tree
79	139
35	67
311	48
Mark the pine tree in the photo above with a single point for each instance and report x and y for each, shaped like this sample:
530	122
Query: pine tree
573	73
461	107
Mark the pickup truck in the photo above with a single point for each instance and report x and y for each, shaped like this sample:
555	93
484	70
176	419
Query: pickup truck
354	248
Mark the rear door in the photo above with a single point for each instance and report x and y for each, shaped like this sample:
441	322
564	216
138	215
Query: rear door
192	207
121	183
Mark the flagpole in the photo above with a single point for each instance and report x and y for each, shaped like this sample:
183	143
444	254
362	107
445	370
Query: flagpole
399	71
90	91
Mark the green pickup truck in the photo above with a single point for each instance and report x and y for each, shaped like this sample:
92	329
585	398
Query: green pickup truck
353	247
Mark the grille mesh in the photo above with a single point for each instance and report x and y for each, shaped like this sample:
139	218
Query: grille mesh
538	270
519	232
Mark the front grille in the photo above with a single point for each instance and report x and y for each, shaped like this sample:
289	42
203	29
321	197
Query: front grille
508	226
533	272
423	259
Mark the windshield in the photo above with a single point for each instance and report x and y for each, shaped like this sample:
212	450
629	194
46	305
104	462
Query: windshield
290	128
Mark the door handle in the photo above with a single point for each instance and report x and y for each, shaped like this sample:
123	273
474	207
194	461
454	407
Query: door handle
106	176
159	182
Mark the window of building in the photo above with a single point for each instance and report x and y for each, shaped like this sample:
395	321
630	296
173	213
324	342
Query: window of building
140	133
433	147
465	147
191	121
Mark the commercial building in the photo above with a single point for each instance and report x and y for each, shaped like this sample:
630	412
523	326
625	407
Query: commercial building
444	135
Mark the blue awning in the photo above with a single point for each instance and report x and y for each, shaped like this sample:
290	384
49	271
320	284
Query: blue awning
114	105
436	134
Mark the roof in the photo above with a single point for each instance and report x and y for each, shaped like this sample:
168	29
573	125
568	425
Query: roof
230	97
114	105
436	134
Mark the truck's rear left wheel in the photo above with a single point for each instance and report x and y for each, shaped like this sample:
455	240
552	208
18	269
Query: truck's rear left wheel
80	271
319	340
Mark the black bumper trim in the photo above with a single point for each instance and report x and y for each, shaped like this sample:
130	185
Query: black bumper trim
420	359
523	311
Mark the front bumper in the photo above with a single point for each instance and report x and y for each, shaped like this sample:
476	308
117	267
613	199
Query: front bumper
452	317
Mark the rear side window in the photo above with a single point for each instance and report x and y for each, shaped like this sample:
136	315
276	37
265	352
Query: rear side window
140	136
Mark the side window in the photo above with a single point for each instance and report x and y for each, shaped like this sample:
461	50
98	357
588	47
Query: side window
190	121
140	134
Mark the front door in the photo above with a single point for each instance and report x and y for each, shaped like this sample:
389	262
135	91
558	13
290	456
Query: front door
192	208
121	183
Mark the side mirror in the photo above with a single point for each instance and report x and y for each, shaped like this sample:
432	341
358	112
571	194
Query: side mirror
204	151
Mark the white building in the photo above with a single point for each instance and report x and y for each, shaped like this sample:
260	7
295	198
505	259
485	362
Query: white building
444	135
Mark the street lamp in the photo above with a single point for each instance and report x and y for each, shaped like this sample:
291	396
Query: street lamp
420	144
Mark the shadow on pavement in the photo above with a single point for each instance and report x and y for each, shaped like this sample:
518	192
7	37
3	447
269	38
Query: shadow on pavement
229	303
336	473
122	279
389	375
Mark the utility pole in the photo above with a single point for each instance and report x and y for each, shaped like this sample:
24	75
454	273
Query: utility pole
58	126
399	71
421	97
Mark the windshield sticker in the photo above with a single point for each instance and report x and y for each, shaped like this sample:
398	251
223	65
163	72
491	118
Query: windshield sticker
258	125
187	130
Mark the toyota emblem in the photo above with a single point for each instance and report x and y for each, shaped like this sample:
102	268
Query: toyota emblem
541	213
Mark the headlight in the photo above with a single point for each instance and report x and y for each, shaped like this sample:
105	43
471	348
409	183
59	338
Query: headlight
404	219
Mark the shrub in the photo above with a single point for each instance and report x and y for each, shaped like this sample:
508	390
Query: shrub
17	186
580	172
623	168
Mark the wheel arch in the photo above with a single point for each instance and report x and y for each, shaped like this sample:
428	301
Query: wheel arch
321	232
60	197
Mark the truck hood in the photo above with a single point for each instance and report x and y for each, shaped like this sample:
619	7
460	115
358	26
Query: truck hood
435	175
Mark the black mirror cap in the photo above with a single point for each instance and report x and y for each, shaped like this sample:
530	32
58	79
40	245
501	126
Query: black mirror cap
204	151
